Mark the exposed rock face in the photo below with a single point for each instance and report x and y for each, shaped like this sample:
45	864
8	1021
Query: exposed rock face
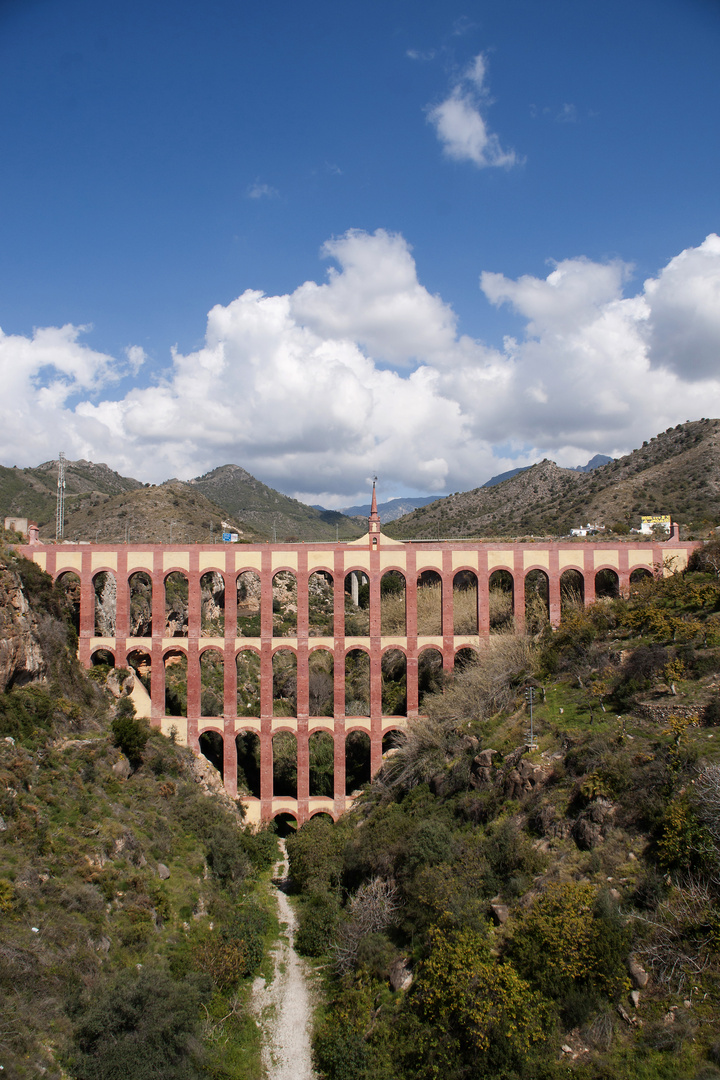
21	657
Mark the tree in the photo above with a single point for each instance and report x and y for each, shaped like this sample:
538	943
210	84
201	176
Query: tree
476	1011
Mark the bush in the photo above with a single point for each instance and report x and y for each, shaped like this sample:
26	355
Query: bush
141	1025
317	920
130	733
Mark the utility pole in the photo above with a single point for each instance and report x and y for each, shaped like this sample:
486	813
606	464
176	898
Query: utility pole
60	509
530	735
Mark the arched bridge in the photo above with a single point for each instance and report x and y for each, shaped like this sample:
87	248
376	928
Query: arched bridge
239	644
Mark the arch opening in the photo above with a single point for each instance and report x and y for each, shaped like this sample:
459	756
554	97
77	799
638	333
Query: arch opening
572	592
212	747
284	664
392	740
501	602
465	602
284	751
537	601
321	604
102	658
140	589
394	683
212	683
430	674
321	683
357	604
140	664
284	604
247	666
429	604
639	575
607	584
357	762
105	586
392	603
175	663
285	824
247	746
321	752
464	658
212	604
176	604
357	683
70	584
249	595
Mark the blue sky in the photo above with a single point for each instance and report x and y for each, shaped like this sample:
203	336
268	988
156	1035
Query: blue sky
479	233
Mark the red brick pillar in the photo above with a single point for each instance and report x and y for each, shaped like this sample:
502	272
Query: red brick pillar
229	757
339	779
519	590
266	684
339	643
122	609
483	578
87	610
624	569
554	587
411	630
448	615
194	682
303	688
375	664
157	665
588	575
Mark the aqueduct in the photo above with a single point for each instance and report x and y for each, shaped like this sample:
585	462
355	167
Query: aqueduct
286	629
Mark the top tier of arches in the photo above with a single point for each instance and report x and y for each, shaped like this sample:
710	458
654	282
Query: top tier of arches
329	593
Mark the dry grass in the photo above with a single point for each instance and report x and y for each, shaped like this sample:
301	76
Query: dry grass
477	692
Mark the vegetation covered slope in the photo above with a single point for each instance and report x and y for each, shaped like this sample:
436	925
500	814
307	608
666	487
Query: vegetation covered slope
676	473
494	911
268	510
131	918
172	512
32	493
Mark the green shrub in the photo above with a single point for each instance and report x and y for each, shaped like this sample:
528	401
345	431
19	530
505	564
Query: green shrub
317	919
130	733
140	1025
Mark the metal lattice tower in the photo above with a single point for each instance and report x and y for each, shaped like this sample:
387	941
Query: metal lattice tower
60	511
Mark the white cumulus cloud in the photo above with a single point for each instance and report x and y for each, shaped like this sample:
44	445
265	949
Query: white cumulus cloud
315	390
461	126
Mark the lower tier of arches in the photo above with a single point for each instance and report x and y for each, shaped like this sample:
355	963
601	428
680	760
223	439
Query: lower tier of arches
290	767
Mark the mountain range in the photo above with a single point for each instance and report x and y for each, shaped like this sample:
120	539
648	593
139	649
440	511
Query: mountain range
677	472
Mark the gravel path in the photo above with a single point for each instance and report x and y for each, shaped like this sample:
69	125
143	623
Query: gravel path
283	1007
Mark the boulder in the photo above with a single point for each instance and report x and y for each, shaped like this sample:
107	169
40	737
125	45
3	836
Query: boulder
400	974
122	768
163	872
586	834
500	912
638	974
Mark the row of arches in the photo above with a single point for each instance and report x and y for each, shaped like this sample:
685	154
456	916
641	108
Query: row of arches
322	614
354	774
323	619
245	697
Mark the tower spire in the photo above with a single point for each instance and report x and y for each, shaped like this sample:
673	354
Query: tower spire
374	519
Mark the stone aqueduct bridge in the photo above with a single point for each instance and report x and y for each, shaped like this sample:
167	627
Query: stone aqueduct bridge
372	556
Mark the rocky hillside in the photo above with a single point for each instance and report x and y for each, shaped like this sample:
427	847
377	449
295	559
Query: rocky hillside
133	916
508	909
677	473
160	514
32	493
270	512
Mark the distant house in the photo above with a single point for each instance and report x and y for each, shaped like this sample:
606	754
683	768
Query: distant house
649	521
585	530
17	524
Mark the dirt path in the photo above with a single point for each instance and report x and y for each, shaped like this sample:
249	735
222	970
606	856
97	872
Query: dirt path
283	1006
